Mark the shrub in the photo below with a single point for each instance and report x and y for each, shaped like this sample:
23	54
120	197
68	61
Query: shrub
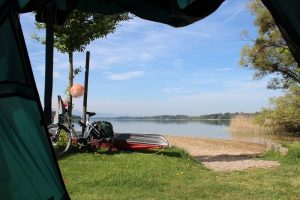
284	112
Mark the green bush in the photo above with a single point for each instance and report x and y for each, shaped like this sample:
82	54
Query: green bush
283	115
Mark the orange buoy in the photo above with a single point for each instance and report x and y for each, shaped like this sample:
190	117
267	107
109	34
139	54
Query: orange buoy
77	90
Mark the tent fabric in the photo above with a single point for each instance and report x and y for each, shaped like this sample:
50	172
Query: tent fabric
176	13
28	168
287	16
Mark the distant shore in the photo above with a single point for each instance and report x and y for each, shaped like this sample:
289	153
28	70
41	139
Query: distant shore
217	116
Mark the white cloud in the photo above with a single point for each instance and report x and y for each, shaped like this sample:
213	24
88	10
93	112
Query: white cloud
225	69
40	71
125	76
171	90
235	12
110	56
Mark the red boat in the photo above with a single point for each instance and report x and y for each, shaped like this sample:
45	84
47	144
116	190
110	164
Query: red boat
132	141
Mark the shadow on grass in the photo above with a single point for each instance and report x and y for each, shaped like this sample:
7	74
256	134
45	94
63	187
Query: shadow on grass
226	157
170	152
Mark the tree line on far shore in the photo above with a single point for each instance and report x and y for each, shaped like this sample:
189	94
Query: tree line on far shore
216	116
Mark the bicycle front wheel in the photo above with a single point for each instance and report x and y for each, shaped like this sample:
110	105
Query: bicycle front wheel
61	140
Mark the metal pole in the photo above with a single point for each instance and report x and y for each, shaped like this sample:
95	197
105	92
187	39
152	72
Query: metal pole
49	63
86	86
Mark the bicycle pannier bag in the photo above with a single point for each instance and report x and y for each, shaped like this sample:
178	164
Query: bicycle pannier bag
105	128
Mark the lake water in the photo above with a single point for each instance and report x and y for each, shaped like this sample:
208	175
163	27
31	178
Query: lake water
206	129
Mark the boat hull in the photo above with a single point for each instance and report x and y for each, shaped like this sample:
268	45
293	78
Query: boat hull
133	141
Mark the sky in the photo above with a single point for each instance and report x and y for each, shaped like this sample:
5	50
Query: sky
147	68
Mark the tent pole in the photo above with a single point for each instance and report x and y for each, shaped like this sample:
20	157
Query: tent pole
86	85
49	63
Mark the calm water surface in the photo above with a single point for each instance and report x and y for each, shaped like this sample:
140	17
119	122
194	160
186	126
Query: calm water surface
205	129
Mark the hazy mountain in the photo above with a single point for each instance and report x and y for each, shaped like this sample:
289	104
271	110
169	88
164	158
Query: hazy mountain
98	114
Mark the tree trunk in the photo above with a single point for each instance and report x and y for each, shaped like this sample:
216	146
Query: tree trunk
71	76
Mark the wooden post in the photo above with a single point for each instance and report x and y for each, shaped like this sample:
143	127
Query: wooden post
49	63
86	86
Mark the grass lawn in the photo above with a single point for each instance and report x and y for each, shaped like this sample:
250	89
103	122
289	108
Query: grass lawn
173	174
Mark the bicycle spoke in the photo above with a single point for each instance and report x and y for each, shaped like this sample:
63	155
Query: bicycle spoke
61	141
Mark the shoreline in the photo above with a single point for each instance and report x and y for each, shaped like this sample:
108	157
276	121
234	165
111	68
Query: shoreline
215	146
223	155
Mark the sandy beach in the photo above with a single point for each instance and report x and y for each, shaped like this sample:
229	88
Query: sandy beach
223	155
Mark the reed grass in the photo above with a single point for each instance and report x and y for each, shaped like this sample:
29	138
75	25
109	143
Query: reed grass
242	123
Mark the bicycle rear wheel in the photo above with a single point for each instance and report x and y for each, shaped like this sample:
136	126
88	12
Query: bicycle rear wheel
61	140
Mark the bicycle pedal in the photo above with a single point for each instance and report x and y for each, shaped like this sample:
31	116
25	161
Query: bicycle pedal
82	142
53	140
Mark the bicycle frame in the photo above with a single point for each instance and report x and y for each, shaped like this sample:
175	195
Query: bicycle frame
88	127
65	134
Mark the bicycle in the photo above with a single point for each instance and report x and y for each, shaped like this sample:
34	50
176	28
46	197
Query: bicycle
63	134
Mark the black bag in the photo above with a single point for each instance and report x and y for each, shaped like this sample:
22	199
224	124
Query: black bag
105	129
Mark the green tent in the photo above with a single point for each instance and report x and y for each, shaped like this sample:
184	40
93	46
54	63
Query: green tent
28	167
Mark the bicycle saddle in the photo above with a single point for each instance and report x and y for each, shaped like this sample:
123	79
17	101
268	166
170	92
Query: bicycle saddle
90	113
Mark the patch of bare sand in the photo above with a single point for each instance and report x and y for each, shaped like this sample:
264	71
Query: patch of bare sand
223	155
